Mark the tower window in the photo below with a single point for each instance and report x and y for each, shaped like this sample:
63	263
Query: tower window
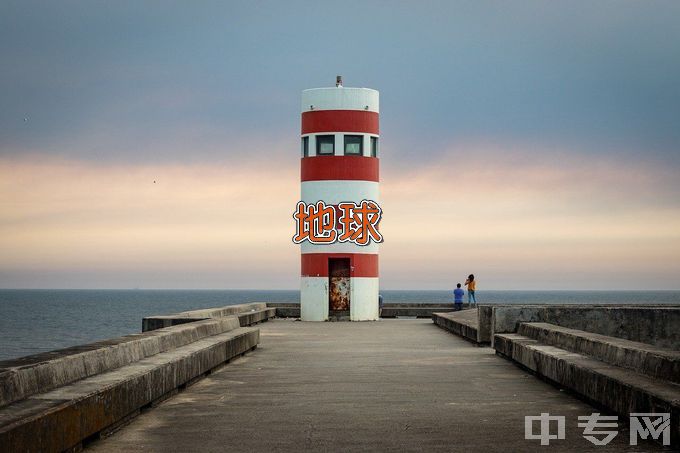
305	146
354	145
325	144
374	146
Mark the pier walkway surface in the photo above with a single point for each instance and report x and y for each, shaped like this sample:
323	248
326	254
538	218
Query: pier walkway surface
392	385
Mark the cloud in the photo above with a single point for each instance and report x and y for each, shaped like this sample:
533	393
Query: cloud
529	220
516	220
536	145
131	82
220	219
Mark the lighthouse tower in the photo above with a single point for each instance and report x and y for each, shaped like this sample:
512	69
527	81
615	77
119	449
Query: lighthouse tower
339	164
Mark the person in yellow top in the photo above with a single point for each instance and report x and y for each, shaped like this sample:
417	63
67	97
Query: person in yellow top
471	287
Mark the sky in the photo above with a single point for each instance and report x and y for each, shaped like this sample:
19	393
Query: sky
535	144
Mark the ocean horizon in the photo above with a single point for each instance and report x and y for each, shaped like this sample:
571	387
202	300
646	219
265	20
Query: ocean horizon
40	320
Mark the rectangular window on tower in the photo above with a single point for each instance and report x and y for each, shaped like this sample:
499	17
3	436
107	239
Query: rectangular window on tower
374	146
354	145
305	146
325	145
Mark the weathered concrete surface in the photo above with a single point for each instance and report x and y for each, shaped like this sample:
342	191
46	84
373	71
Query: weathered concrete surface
506	318
392	385
158	322
61	419
484	314
641	357
26	376
416	310
653	324
285	309
390	310
462	323
617	389
250	318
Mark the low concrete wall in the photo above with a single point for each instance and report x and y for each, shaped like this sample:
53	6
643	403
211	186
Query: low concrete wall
618	390
506	318
484	314
416	309
285	309
641	357
654	324
60	403
659	326
462	323
251	318
390	310
26	376
158	322
445	305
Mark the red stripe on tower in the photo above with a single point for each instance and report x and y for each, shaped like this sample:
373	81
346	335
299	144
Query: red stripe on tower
340	121
352	168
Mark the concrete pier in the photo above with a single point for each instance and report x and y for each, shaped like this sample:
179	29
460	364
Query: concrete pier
64	399
400	385
623	359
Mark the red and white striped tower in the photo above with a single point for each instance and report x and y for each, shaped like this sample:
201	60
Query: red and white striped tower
339	164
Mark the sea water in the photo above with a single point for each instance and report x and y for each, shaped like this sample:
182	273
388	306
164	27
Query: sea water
33	321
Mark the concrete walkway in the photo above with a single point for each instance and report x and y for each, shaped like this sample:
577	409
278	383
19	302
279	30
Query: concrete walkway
400	385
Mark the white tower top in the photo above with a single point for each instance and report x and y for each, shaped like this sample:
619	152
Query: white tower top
340	98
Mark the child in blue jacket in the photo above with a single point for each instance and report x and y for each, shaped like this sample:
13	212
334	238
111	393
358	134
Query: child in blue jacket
458	294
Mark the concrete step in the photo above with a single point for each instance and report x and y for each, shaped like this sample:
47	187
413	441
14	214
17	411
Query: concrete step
641	357
158	322
252	317
415	310
617	389
66	417
389	310
25	376
285	309
462	323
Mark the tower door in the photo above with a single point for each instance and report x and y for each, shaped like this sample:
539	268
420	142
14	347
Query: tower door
338	285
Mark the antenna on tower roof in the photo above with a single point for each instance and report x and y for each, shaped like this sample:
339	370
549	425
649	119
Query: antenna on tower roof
338	81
